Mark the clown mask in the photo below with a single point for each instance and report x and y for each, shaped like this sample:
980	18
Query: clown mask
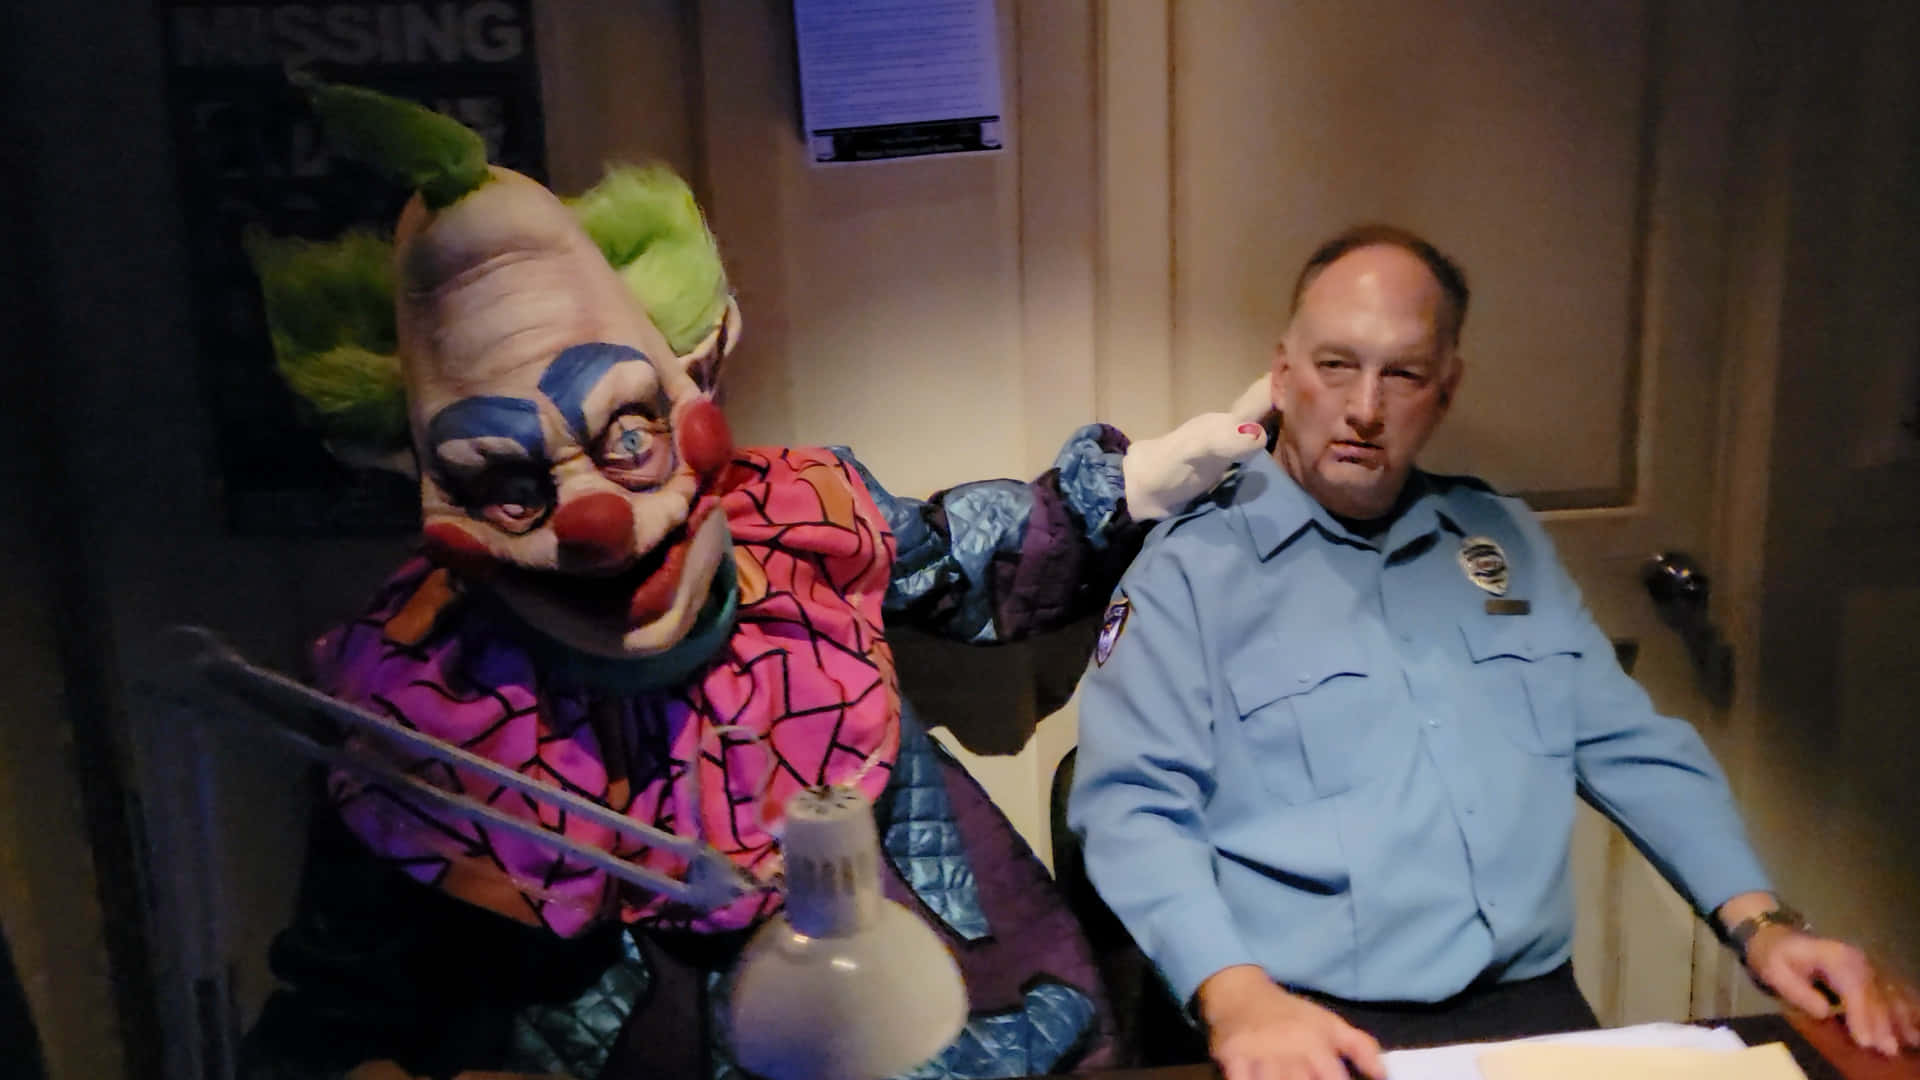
566	453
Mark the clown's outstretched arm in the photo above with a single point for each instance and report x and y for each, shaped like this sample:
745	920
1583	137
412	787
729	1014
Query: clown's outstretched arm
998	560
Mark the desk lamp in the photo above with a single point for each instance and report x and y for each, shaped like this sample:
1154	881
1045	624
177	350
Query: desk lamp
842	984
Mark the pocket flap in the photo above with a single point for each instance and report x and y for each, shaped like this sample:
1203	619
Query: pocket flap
1519	637
1258	677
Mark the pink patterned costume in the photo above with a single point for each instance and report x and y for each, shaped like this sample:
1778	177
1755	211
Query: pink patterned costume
806	669
380	968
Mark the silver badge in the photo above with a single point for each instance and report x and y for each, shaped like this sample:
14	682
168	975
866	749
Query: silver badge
1485	564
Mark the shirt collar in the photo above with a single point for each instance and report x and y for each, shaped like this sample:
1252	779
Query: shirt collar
1277	511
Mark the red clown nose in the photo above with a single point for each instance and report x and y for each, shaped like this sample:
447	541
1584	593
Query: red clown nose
705	443
595	528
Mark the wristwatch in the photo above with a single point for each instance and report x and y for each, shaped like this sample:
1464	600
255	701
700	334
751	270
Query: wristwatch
1740	933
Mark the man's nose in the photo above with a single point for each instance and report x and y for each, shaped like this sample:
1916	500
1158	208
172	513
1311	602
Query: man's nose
595	528
1366	404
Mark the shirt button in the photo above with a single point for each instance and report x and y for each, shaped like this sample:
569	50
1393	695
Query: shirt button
1406	638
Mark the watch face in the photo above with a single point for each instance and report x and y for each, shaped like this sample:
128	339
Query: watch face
1786	916
1743	932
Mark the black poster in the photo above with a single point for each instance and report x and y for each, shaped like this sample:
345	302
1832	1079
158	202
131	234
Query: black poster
251	153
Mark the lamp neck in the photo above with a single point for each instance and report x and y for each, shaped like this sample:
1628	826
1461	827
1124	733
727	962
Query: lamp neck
833	862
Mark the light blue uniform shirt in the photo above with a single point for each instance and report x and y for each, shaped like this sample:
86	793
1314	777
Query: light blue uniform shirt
1326	756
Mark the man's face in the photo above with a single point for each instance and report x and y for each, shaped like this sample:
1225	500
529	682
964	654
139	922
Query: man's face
1362	378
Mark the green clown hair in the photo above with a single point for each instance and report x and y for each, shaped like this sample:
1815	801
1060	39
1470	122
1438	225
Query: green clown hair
330	306
427	151
644	220
329	310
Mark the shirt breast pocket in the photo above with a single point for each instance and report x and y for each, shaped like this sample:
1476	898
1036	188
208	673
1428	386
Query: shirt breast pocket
1525	675
1306	717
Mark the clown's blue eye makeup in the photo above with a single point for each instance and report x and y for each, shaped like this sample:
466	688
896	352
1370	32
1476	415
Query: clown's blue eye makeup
489	455
636	451
589	383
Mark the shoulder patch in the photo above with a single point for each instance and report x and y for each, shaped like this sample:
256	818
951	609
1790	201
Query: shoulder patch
1111	626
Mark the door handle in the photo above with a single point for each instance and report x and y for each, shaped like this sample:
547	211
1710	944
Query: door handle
1679	588
1681	592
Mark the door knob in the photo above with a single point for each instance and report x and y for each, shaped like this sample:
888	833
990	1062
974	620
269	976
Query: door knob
1679	588
1681	591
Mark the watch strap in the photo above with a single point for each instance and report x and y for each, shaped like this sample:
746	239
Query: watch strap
1742	932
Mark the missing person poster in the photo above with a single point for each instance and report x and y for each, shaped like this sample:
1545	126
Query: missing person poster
251	155
884	79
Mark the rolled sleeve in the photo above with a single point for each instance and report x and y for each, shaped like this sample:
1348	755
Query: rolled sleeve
1143	777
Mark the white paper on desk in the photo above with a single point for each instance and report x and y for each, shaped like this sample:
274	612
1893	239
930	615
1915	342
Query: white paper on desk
1462	1061
1560	1061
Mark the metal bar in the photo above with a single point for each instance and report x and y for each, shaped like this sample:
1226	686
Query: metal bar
713	879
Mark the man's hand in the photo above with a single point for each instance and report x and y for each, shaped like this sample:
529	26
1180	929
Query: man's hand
1257	1031
1881	1012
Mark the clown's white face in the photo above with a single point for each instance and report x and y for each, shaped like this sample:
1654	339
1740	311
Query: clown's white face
577	498
567	454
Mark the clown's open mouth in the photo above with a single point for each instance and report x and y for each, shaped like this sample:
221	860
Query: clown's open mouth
634	596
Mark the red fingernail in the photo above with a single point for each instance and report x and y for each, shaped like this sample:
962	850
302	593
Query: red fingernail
1252	429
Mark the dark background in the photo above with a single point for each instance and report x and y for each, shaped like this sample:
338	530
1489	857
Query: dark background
250	154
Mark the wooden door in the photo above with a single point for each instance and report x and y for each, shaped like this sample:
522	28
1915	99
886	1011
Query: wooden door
1575	159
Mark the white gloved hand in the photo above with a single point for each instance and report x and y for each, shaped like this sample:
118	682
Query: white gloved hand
1163	475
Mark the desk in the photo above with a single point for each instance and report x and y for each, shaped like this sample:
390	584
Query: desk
1828	1046
1821	1047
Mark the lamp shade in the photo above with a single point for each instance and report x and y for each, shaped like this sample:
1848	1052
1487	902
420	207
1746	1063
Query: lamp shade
844	984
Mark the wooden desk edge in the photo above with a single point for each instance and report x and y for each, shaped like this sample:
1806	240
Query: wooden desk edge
1830	1038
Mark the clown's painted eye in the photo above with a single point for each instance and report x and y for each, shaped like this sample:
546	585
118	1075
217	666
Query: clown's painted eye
513	500
636	451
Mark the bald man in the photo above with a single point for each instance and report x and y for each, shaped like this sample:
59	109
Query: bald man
1337	718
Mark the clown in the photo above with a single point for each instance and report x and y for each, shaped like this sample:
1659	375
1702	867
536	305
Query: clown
614	599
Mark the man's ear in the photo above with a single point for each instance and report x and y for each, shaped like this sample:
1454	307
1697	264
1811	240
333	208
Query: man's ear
1450	382
1275	377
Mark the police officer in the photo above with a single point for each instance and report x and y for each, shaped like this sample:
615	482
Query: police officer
1332	732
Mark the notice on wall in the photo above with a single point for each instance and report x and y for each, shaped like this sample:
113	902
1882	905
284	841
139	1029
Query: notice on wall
883	79
251	155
